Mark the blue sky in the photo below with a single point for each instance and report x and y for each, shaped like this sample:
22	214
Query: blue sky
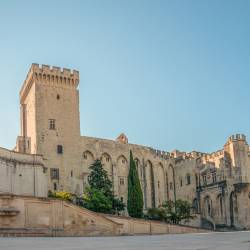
169	74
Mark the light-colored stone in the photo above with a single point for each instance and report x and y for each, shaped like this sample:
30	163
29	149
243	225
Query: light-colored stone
26	215
217	183
22	174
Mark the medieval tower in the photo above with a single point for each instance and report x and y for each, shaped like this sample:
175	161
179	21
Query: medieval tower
50	124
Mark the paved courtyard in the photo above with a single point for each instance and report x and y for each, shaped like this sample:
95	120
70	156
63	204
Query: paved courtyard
228	241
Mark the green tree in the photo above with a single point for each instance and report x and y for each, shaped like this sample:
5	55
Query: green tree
98	196
99	179
96	200
171	211
135	197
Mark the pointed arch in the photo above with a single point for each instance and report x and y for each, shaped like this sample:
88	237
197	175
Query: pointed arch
160	183
107	164
150	183
172	181
122	166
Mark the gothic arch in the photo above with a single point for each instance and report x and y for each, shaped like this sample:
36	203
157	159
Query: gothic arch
150	183
87	161
220	206
172	181
122	166
208	208
107	164
160	183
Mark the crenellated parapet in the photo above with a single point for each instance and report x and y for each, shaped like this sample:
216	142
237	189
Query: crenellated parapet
46	74
237	137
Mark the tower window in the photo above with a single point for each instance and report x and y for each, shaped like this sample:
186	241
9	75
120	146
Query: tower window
122	182
188	177
54	173
59	149
52	124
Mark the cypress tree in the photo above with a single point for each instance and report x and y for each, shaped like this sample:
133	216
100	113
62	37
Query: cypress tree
135	197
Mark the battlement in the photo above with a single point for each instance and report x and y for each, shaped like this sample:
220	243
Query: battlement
49	75
53	70
237	137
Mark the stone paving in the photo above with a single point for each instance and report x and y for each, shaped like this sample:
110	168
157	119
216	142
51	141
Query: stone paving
215	241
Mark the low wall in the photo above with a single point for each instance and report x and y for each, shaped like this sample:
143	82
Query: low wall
131	226
32	216
24	215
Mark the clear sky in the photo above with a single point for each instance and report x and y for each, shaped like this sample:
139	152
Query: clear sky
169	74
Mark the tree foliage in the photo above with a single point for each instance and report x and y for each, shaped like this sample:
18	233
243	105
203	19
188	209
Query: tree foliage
171	211
96	200
98	178
98	196
135	196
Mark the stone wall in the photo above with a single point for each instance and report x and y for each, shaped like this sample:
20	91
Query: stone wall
22	174
30	216
131	226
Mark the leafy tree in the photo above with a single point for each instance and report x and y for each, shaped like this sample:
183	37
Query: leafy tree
156	214
96	200
98	196
99	179
171	211
118	205
135	197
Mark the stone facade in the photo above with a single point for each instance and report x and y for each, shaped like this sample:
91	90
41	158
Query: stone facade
22	174
217	184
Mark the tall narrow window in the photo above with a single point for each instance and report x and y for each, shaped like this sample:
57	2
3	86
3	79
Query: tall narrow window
59	149
188	177
214	177
54	173
52	124
55	186
181	182
122	182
